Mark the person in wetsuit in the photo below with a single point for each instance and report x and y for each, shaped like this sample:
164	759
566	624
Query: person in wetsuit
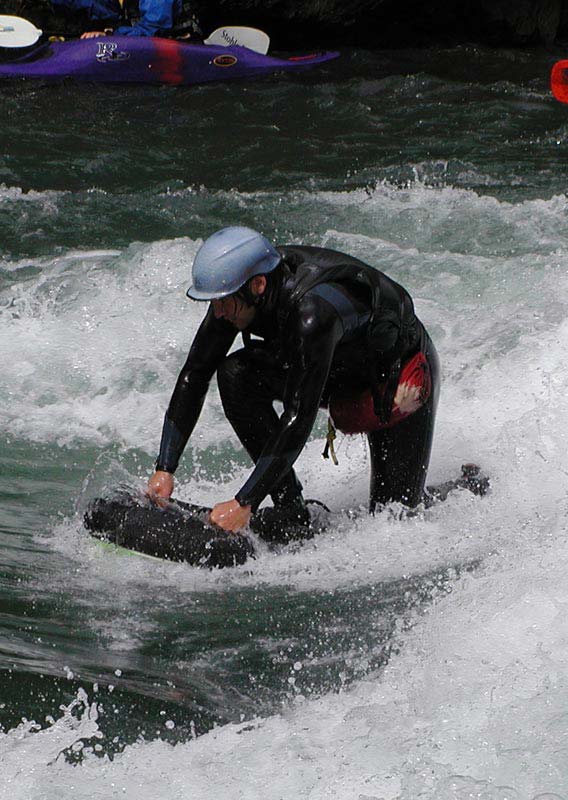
172	18
326	326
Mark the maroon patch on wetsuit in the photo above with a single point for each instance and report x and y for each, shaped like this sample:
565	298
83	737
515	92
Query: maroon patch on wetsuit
168	61
356	413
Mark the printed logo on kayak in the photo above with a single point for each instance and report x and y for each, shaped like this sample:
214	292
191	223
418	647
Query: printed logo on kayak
108	51
228	37
225	61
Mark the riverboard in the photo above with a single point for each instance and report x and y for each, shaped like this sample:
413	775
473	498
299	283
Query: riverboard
132	59
124	551
175	532
182	532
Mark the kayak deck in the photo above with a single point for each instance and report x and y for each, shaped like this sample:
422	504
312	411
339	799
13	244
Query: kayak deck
127	59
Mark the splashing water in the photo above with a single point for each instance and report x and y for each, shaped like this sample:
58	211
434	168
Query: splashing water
414	659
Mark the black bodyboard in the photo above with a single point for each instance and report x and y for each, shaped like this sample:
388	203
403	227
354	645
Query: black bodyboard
177	532
182	532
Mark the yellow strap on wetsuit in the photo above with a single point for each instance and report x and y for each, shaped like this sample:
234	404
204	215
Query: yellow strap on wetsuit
329	447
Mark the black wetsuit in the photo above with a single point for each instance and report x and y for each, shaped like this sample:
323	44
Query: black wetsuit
326	322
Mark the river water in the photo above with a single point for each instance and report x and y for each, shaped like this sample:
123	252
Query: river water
402	659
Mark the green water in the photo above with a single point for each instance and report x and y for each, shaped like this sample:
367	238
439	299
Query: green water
418	159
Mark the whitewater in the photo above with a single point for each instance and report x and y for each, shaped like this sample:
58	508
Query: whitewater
391	658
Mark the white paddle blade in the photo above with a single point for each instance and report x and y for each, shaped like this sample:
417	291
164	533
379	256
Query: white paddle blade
17	32
239	35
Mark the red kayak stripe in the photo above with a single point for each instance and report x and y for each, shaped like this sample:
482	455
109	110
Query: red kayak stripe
559	81
169	60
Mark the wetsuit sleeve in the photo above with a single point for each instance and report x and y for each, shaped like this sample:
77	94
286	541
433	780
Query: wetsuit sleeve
210	346
156	16
312	336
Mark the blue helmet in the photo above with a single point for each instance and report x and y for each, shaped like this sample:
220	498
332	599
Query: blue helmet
227	259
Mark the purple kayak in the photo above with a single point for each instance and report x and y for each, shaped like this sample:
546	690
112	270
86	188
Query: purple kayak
129	59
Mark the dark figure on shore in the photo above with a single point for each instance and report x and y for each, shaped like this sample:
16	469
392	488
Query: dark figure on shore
329	331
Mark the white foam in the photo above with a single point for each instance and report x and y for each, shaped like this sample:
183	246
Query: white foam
93	343
472	705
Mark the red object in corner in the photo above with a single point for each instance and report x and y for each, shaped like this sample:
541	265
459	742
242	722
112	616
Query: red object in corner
559	81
